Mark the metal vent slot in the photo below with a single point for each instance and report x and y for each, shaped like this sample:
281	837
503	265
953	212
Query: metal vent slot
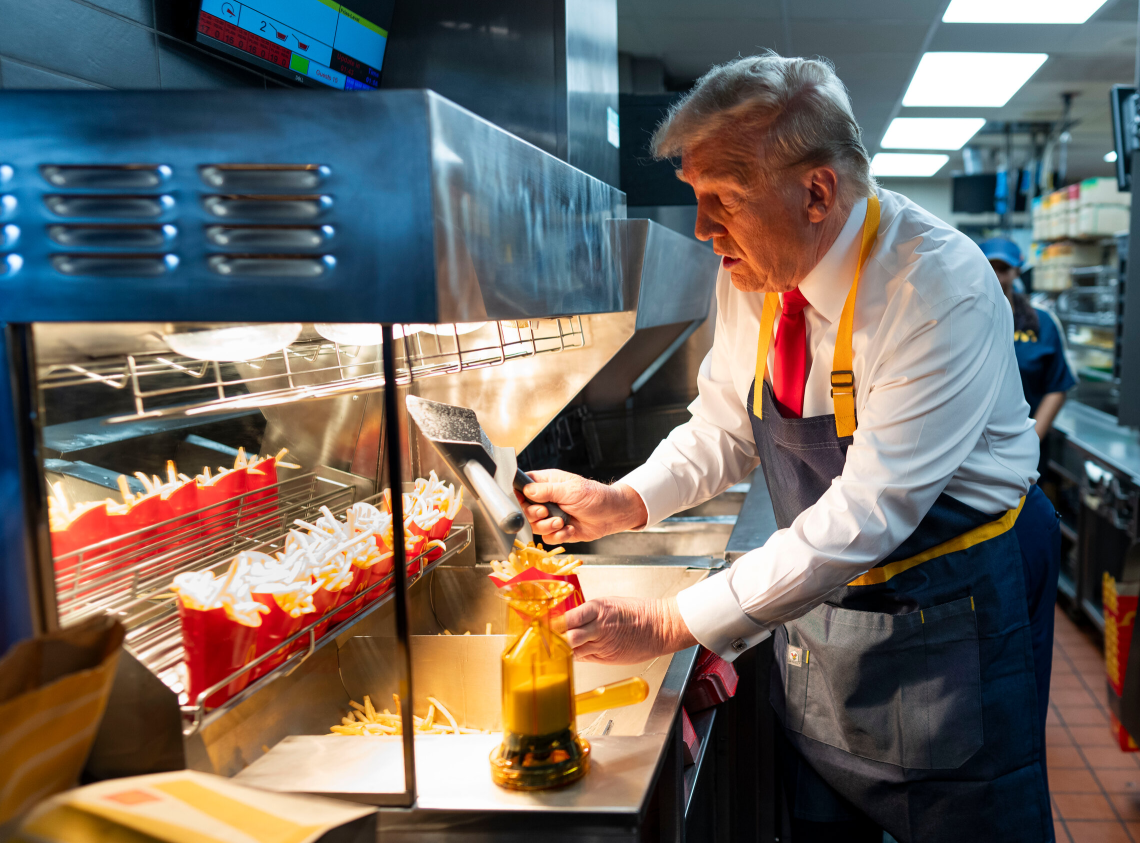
271	266
9	234
118	207
285	208
269	237
256	177
114	266
105	177
113	236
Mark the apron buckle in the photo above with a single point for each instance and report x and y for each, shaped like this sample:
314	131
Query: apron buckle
842	381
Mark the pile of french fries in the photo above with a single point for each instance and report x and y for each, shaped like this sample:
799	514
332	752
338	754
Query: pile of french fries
366	720
531	555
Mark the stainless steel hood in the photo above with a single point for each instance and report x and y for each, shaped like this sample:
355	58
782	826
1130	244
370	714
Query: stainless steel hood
299	206
667	278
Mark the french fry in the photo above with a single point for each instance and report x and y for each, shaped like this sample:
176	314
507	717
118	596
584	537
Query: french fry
365	720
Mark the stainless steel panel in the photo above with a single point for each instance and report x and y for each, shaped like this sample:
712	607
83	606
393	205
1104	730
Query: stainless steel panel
699	537
591	86
517	400
1101	436
440	216
545	71
756	522
516	229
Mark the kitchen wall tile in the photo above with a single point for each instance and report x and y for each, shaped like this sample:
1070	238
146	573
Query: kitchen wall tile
80	41
184	66
137	10
15	74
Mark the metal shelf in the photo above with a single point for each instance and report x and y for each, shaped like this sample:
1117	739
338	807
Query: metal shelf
1105	320
1095	375
168	385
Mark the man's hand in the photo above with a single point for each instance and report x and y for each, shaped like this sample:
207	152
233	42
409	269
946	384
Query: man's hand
595	509
626	630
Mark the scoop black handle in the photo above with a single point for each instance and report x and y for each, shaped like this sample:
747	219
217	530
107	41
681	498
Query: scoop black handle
522	479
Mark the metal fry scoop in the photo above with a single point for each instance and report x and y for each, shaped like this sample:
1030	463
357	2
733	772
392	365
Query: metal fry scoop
488	472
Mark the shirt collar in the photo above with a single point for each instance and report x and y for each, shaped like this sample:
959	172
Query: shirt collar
827	285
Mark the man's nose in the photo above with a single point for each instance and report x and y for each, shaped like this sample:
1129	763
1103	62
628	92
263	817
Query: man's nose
706	228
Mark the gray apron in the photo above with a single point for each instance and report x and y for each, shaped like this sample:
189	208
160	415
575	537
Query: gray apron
912	699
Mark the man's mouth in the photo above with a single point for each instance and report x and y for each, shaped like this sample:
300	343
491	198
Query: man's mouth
729	263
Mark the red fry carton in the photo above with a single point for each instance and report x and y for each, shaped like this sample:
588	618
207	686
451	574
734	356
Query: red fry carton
215	646
221	496
275	627
574	600
260	506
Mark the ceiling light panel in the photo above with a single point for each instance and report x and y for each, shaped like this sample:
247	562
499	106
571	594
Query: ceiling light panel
1020	11
931	132
886	164
970	80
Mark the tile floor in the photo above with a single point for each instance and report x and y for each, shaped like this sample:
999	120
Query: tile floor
1095	787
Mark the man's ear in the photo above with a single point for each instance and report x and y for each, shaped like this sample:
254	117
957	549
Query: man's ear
822	193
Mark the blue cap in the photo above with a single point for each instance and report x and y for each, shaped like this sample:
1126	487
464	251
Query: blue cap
1001	249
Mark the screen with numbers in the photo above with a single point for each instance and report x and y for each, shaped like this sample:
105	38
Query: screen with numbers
317	42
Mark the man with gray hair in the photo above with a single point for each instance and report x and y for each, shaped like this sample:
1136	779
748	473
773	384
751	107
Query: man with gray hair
863	358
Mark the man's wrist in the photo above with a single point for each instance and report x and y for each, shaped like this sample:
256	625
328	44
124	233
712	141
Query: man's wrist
675	631
634	513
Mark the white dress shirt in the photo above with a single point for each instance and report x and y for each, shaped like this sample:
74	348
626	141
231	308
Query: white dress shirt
939	404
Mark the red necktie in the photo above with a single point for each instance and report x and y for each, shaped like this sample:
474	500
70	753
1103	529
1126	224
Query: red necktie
789	375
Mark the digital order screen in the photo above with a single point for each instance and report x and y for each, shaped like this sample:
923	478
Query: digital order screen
312	41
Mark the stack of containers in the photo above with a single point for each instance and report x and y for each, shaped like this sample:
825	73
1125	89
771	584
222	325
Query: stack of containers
1103	210
1119	601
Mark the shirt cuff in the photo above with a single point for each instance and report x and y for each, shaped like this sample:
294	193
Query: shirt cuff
714	617
657	488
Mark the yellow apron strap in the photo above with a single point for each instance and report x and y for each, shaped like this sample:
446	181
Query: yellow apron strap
767	320
842	376
842	363
980	534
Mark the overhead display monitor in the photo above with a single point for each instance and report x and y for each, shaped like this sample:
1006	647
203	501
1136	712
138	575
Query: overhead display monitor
316	42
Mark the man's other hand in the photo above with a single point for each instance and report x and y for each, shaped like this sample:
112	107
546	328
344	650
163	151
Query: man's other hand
626	630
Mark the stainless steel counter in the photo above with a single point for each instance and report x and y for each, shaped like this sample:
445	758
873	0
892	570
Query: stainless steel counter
635	758
1100	436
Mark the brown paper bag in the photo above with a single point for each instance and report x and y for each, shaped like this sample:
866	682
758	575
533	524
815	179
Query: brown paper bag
53	690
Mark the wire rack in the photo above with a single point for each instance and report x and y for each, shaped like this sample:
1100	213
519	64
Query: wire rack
126	574
161	650
163	385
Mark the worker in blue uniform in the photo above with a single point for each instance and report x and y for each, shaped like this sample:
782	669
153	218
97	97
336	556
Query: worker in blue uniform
1037	339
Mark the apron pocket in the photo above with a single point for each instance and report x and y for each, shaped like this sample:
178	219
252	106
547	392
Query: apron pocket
900	689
